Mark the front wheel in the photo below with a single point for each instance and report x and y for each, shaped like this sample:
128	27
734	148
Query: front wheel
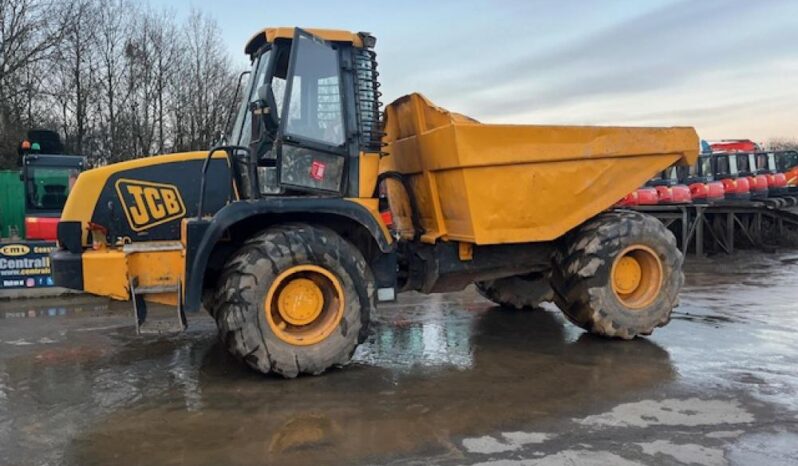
618	275
294	299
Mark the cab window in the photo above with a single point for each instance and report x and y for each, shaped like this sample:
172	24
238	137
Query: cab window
742	163
314	110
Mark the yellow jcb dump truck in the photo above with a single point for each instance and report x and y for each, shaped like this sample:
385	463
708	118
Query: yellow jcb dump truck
279	234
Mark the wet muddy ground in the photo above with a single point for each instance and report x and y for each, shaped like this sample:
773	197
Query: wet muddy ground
448	379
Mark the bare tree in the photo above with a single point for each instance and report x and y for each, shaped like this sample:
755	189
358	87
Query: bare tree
116	79
783	144
74	84
112	32
208	78
165	52
26	39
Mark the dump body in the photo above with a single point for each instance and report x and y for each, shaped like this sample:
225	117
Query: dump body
491	184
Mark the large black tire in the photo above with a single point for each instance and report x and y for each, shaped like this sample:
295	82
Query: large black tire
582	276
519	292
240	301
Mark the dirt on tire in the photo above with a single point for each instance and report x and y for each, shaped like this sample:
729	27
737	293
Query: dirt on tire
239	302
582	268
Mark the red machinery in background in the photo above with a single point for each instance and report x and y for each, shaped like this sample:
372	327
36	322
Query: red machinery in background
746	167
669	188
704	189
734	145
724	169
640	196
787	163
766	166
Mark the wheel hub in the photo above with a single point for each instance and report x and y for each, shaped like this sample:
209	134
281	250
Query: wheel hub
627	275
300	302
637	276
304	304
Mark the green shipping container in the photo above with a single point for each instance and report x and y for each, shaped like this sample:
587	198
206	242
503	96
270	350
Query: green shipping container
12	204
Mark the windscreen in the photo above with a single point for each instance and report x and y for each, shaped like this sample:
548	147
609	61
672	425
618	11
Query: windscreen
765	162
47	187
742	163
314	110
706	166
672	174
786	160
723	165
733	169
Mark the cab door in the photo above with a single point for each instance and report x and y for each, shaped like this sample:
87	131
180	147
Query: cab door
313	131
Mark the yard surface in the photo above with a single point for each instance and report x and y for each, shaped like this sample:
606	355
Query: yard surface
443	379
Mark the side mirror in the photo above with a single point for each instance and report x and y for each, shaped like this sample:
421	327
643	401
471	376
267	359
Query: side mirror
265	108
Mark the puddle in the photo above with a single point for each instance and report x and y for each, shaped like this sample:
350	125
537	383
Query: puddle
77	386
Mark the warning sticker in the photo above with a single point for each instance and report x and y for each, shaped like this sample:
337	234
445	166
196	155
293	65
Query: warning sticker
317	170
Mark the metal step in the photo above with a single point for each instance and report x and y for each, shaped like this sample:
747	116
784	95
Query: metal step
154	246
155	289
174	324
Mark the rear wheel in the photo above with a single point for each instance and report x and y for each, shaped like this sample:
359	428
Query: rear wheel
519	292
294	299
618	275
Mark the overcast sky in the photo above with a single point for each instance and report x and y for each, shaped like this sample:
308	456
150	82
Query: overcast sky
727	67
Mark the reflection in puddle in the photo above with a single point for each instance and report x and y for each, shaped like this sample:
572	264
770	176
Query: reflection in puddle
86	390
749	304
428	343
428	371
72	306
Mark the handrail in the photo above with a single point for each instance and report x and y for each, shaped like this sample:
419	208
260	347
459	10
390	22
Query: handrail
228	149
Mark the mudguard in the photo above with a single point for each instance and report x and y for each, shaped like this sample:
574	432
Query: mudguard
202	235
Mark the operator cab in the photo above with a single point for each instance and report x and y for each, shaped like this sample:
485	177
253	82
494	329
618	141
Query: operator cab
48	176
699	172
786	160
766	166
48	180
699	178
309	110
746	167
724	165
667	177
669	189
725	169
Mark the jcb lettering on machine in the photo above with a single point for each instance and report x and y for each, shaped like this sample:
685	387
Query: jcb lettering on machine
148	204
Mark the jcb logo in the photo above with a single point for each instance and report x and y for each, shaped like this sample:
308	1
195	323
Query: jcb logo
14	250
149	204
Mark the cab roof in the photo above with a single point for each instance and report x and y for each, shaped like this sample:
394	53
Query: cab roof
269	35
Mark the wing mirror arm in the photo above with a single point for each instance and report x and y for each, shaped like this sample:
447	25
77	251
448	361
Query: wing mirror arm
264	111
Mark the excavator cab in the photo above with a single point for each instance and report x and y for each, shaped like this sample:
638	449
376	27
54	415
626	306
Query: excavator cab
747	167
787	163
766	166
724	168
669	188
704	189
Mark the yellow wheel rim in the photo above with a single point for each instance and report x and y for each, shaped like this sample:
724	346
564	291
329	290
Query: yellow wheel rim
627	275
304	305
637	276
300	301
